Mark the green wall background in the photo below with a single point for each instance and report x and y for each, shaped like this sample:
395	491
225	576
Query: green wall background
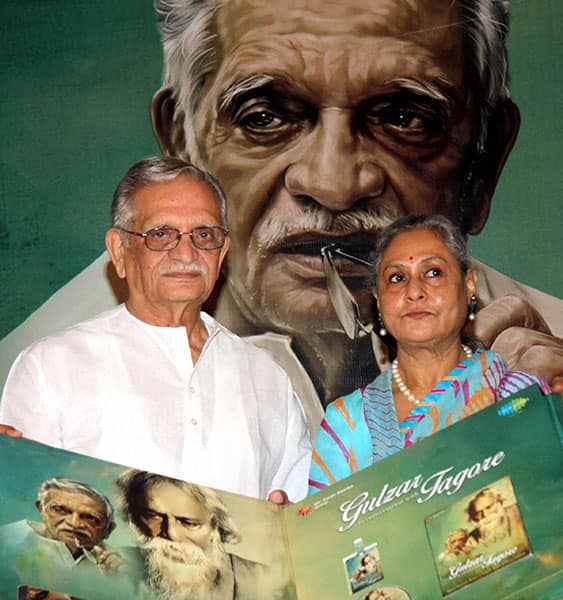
77	81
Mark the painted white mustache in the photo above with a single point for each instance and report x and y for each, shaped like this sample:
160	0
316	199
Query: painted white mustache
185	552
77	532
178	266
318	219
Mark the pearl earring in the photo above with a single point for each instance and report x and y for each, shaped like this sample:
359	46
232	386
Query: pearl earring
382	330
472	308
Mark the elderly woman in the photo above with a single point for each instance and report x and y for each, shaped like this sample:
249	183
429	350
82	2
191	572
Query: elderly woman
425	292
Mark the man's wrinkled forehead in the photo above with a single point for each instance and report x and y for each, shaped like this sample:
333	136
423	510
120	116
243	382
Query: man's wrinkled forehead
431	20
337	53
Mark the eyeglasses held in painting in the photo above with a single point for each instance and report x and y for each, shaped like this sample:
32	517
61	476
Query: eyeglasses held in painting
161	239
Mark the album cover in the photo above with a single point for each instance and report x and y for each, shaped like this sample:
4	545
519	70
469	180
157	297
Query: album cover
477	535
474	511
363	567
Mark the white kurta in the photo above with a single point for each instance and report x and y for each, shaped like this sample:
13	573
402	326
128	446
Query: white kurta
124	391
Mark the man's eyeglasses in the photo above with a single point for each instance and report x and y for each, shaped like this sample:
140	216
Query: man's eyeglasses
161	239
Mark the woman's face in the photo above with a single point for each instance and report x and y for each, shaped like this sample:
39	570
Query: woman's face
421	292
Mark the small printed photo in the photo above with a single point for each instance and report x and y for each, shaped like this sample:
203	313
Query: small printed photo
477	535
387	593
28	592
363	568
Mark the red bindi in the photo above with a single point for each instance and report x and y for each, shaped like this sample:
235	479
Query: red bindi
410	257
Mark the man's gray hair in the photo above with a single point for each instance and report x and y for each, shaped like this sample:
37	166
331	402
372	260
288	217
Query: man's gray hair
440	225
76	487
484	493
191	51
158	169
134	485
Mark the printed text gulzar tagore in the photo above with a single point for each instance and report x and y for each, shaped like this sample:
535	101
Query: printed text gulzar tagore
438	483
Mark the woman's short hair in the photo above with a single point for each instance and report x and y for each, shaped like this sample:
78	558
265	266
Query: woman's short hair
438	224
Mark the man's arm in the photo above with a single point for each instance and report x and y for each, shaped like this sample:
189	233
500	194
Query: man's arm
291	476
24	405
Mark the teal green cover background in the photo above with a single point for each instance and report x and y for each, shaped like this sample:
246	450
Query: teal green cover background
77	78
532	442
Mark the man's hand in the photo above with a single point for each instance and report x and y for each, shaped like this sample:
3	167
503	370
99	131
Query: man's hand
279	497
513	328
11	431
109	561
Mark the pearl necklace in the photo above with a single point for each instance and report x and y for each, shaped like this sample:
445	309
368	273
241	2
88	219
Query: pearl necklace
403	386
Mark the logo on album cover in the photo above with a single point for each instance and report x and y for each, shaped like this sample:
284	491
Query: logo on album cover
512	407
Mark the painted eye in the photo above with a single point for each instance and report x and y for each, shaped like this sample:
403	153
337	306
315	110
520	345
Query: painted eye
152	516
59	510
92	519
188	523
260	120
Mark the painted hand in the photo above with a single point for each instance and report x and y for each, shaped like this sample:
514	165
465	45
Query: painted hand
512	327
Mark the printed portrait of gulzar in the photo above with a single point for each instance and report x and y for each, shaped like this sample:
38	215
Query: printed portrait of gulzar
75	522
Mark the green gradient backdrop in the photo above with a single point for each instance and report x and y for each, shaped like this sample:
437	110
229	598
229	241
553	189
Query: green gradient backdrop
77	81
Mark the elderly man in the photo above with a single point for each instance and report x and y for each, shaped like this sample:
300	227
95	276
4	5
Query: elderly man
181	529
156	383
75	521
495	523
323	121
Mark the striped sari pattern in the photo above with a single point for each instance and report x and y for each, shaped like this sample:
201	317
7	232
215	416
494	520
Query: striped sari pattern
362	428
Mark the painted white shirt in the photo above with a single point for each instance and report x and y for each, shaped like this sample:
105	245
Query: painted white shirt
28	557
121	390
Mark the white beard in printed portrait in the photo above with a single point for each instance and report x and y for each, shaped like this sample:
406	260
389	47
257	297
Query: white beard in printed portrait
182	570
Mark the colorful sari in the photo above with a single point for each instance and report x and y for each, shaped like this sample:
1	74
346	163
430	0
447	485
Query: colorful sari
361	428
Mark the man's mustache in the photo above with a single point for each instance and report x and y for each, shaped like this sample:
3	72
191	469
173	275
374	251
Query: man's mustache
178	266
318	219
175	551
79	534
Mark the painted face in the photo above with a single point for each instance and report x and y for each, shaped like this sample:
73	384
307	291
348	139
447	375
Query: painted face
370	563
184	275
485	506
421	292
457	541
490	516
323	121
76	519
172	513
